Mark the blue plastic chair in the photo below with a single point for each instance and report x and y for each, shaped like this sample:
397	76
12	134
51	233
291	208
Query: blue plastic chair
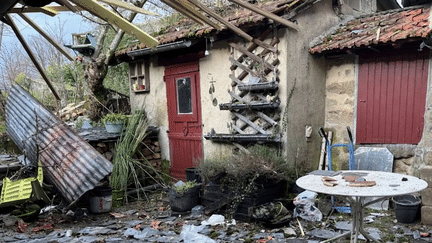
351	165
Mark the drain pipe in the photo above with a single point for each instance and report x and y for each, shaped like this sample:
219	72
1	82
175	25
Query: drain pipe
160	48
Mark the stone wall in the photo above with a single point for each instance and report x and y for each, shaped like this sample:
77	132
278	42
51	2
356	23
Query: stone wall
340	105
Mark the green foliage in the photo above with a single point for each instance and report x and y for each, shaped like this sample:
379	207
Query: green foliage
117	78
124	165
185	187
114	118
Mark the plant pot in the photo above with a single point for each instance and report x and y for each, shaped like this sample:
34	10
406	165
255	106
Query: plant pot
192	174
184	202
101	199
114	127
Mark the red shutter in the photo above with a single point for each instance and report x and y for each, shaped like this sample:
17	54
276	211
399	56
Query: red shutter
391	98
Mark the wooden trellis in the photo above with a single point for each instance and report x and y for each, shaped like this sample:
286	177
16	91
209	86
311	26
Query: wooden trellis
254	100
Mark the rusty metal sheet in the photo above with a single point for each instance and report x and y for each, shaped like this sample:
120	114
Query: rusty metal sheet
70	163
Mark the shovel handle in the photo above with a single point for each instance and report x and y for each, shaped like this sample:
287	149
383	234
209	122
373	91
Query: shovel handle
350	134
323	134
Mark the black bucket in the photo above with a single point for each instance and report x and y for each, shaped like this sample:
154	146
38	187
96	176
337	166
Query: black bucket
192	174
407	208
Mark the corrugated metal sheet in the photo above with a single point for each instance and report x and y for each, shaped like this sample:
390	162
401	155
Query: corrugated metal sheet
382	27
392	98
70	163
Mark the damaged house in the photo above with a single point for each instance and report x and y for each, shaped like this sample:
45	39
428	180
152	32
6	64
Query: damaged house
377	82
214	90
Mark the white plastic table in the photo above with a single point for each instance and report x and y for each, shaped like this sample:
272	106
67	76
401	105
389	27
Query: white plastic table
387	185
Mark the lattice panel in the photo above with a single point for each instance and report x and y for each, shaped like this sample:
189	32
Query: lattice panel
255	103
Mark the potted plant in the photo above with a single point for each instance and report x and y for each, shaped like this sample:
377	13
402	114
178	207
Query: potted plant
256	177
114	122
184	196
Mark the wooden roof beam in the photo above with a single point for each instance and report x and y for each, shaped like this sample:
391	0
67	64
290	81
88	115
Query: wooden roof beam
114	19
189	11
232	27
68	5
28	9
46	36
31	55
269	15
128	7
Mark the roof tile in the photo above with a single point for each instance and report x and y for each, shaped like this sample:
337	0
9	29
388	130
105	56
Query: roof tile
238	17
393	25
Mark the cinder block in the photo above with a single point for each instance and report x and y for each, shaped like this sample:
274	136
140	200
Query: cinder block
426	215
426	174
426	196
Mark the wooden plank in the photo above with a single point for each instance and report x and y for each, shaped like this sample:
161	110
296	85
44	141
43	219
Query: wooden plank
266	46
185	6
68	5
232	27
237	129
253	46
235	96
241	148
269	15
28	9
266	118
252	56
263	54
32	57
243	67
322	154
128	6
250	123
46	36
235	80
112	18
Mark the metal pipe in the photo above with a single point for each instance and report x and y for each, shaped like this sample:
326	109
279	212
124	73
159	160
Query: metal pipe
160	48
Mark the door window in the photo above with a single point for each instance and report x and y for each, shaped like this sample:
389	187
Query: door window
184	95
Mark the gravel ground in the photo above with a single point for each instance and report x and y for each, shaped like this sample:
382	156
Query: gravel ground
152	221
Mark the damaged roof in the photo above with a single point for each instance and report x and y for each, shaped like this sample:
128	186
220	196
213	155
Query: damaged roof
380	28
240	17
70	163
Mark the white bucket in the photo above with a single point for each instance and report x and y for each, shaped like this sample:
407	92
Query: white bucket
100	200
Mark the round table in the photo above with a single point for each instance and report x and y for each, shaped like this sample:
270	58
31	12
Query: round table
387	185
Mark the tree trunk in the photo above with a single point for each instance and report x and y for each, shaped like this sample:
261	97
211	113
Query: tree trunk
94	75
2	104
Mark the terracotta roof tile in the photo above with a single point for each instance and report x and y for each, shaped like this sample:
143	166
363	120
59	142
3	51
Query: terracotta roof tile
239	17
392	25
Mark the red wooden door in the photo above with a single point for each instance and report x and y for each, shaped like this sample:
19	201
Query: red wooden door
184	114
392	97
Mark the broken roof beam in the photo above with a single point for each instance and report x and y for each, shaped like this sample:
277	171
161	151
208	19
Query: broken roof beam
269	15
114	19
68	5
32	57
46	36
128	6
189	11
232	27
28	9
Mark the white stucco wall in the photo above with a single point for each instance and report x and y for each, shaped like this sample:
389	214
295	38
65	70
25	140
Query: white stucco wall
215	67
155	103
